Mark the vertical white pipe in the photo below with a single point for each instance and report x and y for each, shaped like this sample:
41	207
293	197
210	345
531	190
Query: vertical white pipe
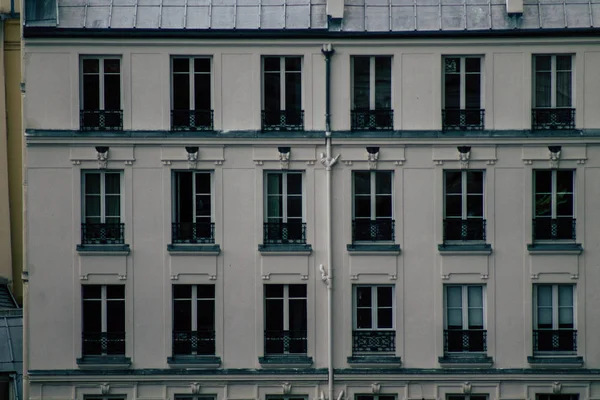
330	273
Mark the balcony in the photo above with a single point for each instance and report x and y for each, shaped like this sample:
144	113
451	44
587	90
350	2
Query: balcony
561	228
367	120
193	232
372	230
285	342
282	120
103	234
101	120
552	118
192	120
463	120
564	340
364	342
103	343
284	233
465	341
194	342
464	230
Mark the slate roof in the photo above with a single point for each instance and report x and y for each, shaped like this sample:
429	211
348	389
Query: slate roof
359	15
11	346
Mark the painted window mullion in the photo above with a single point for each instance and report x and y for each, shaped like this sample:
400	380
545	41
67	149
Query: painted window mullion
284	195
373	192
553	81
282	83
286	307
192	83
102	197
194	307
101	82
374	309
465	307
463	176
103	308
554	194
463	84
554	307
372	83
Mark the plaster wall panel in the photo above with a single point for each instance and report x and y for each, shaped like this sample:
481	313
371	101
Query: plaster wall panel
591	88
148	72
40	157
241	157
49	102
102	265
509	91
317	100
340	91
373	265
554	264
241	89
590	274
57	391
284	265
418	91
193	265
471	264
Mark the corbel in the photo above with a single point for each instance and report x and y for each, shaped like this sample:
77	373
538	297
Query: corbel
464	154
192	156
372	157
102	156
284	157
554	156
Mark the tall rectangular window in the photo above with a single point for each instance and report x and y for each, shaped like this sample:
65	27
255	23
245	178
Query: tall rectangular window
103	320
285	319
101	208
374	319
554	205
193	208
193	320
553	92
191	94
463	84
554	320
282	94
101	93
284	215
465	322
464	205
372	93
372	206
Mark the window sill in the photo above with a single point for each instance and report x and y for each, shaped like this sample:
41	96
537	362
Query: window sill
104	362
466	360
285	361
103	249
555	361
285	249
373	249
194	249
374	360
194	361
555	248
465	249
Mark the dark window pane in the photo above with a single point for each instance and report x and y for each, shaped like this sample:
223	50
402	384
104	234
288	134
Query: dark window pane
563	63
184	197
564	181
474	206
543	205
563	89
384	296
202	65
92	205
272	63
383	206
273	291
115	291
112	92
92	183
383	82
182	291
91	292
112	66
363	318
205	315
294	183
203	207
205	291
543	88
473	91
297	315
453	182
272	92
543	63
91	66
293	92
383	182
564	204
202	92
297	290
452	65
115	316
453	206
203	183
363	296
543	181
181	92
362	207
474	182
182	315
181	65
362	182
92	316
384	318
274	314
361	82
294	207
91	92
473	64
293	64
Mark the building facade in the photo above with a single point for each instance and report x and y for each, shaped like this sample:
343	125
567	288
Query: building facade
312	200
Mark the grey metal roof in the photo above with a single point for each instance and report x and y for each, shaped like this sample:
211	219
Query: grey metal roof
6	298
359	15
11	346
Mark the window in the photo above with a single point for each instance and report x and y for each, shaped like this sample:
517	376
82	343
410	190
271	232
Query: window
466	397
193	208
557	397
463	108
372	206
375	397
193	320
372	93
190	397
284	209
285	319
554	319
374	319
554	205
282	94
464	206
101	94
465	321
102	208
103	320
553	93
191	94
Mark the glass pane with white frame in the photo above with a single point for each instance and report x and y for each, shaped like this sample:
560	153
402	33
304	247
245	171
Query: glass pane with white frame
464	319
193	319
554	205
464	205
554	320
373	206
462	92
193	207
284	207
553	81
103	319
285	319
374	307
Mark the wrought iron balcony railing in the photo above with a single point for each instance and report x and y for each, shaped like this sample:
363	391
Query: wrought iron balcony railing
463	119
103	343
284	233
285	342
282	120
101	120
366	120
373	230
192	232
200	342
464	229
103	233
561	228
552	118
563	340
465	341
373	342
192	120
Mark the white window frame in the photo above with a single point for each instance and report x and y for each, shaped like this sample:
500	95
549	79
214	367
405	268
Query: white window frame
463	84
282	75
553	80
372	80
101	74
194	310
102	194
554	192
464	192
286	304
194	397
177	196
555	306
284	194
374	308
192	73
465	305
466	396
373	194
104	306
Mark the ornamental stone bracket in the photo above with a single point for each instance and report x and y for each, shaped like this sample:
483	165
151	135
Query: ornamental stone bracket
286	388
104	388
375	387
556	387
467	387
554	154
102	156
463	156
195	387
192	155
